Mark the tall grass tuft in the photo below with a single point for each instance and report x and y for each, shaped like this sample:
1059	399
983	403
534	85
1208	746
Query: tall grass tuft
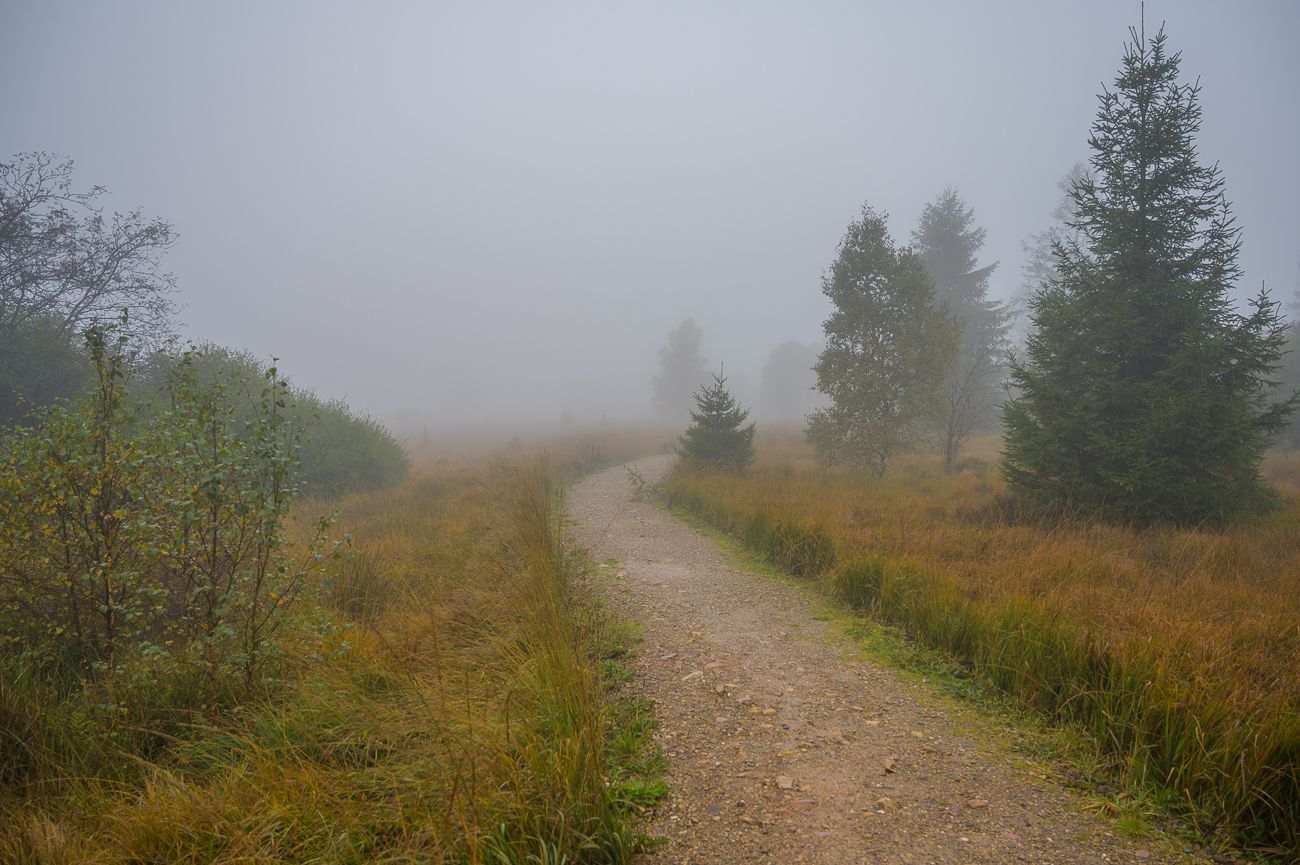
1177	650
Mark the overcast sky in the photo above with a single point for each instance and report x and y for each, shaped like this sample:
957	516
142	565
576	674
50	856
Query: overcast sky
482	209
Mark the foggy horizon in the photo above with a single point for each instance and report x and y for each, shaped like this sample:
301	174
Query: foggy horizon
499	212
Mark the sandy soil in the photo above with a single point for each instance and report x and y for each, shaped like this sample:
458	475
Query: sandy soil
787	745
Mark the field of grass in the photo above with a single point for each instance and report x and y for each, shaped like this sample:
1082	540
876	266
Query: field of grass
1178	651
467	711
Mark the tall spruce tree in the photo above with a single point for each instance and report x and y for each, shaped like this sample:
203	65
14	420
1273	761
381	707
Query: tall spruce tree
1144	396
716	438
948	241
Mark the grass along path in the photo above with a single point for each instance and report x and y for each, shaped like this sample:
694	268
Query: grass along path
786	742
465	721
1175	650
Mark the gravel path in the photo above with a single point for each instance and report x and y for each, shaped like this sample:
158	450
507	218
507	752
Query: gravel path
785	745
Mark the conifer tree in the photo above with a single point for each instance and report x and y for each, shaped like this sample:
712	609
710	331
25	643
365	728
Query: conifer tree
948	241
681	371
1039	265
716	438
1289	375
1144	395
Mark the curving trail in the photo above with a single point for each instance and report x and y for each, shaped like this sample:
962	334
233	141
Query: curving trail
786	746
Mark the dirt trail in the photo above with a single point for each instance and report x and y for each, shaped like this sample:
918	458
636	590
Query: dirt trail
786	746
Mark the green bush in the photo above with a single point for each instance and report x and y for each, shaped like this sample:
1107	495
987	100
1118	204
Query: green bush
342	451
346	452
141	536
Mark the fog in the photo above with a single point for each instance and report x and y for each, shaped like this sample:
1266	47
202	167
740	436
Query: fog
465	212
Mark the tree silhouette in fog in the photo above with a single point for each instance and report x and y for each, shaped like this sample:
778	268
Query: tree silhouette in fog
681	371
948	241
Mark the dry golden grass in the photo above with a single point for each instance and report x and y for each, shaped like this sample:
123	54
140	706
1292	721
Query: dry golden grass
465	722
608	445
1178	649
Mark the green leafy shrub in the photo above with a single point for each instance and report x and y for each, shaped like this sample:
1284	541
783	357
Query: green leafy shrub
341	451
347	452
141	538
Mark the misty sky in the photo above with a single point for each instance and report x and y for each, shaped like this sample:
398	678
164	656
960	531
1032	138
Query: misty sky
479	210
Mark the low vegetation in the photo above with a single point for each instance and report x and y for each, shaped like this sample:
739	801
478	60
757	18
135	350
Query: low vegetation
342	450
142	545
441	688
346	451
1177	649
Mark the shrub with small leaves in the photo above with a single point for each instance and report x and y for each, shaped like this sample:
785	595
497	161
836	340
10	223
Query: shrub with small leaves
142	538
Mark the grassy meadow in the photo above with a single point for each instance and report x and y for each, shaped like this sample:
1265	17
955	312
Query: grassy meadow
1177	650
465	707
456	694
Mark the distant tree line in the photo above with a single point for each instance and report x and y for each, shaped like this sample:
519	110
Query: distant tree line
66	268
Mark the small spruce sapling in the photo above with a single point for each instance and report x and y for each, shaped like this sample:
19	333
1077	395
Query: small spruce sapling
716	438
